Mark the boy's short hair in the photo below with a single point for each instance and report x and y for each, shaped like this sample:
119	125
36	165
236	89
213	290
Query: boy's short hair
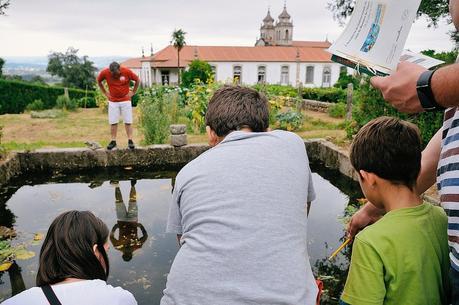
389	148
114	67
233	107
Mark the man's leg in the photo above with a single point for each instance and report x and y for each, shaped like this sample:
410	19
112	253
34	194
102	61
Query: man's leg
126	112
454	286
113	118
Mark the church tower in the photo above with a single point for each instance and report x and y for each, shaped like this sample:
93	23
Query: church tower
267	31
284	29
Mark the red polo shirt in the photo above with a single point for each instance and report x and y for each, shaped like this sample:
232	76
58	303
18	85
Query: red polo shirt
118	87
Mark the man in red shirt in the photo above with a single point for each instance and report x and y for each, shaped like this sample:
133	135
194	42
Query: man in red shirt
119	98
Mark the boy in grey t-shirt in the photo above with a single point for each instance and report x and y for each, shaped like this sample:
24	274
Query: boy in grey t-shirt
239	211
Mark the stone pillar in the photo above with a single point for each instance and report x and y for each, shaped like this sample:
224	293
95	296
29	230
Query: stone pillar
350	92
178	135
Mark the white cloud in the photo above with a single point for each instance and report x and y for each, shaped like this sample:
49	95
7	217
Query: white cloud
115	27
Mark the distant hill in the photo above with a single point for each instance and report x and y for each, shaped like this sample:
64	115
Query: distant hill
40	62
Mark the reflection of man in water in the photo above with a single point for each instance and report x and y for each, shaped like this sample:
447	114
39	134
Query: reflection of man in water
128	240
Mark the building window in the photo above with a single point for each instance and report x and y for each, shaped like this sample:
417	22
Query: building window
343	70
310	75
326	79
237	74
165	77
284	75
214	71
261	74
286	34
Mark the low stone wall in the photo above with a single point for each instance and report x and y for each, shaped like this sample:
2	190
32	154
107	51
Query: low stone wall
156	156
315	106
74	160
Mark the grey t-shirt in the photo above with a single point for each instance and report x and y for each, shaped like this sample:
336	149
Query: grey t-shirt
241	207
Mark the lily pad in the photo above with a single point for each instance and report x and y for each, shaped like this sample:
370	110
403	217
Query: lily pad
5	266
23	254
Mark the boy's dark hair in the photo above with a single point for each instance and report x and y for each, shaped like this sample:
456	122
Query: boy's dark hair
389	148
114	67
67	251
233	107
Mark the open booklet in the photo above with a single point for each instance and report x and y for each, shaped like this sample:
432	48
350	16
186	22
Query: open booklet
374	39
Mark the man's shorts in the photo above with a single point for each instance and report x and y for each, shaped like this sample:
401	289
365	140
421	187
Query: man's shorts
119	109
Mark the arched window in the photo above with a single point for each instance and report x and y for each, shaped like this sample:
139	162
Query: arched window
284	75
261	74
286	35
310	75
326	79
237	74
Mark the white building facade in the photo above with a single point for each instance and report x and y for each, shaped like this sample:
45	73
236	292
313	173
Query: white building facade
275	59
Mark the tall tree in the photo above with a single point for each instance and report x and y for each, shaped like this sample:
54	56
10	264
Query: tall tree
433	10
75	71
4	4
2	62
178	41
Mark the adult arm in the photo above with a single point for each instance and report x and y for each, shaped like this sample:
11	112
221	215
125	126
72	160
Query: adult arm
100	82
136	81
399	89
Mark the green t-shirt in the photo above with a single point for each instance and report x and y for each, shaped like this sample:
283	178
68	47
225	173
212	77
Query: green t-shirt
401	259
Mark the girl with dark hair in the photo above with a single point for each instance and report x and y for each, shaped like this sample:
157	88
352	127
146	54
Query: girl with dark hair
73	265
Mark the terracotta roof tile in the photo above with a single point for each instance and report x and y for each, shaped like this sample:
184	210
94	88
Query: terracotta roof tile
309	51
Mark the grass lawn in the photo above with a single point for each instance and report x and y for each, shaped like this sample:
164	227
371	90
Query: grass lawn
21	132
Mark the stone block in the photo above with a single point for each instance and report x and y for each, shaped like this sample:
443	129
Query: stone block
178	129
179	140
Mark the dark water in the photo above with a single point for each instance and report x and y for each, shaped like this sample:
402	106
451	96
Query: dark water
138	208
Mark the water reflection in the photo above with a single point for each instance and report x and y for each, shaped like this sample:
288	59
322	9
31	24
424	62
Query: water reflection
128	224
29	206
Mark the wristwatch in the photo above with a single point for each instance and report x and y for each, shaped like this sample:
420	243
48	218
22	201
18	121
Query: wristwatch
425	93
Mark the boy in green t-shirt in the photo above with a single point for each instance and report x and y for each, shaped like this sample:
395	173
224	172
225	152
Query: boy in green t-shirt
402	258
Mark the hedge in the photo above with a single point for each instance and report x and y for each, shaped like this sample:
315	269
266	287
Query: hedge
330	95
16	95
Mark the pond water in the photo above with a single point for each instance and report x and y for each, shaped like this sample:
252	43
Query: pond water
140	262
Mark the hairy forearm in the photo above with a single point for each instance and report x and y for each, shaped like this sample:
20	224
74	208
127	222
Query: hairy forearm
429	163
444	86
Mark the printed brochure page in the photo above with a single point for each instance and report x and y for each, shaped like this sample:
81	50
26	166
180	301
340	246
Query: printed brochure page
376	33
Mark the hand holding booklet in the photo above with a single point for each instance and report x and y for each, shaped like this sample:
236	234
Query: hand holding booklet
374	39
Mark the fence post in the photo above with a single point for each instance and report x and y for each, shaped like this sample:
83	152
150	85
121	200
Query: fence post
350	93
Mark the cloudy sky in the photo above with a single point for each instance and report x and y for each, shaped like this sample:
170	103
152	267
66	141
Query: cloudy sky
120	27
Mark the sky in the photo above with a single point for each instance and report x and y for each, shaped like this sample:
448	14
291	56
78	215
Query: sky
122	28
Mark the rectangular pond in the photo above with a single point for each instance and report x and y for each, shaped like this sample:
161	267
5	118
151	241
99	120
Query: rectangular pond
141	253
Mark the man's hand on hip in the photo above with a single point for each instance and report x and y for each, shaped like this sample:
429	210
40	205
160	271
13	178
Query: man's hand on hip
130	94
399	89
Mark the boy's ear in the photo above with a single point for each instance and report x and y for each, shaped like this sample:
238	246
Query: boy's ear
367	177
212	136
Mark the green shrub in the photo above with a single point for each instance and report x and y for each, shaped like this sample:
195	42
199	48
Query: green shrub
277	90
197	70
156	113
87	102
337	110
65	103
369	104
16	95
35	105
330	95
290	120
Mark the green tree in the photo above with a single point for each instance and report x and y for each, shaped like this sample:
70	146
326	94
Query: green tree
75	71
433	10
2	62
4	4
178	41
197	69
447	57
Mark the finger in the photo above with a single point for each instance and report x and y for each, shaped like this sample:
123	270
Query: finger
378	82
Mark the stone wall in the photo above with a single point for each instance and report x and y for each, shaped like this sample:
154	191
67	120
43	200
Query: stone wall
315	106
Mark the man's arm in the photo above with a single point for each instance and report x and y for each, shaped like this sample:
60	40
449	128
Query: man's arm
136	80
429	163
102	88
399	89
